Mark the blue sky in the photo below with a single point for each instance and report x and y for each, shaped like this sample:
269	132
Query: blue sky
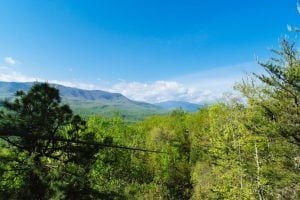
148	50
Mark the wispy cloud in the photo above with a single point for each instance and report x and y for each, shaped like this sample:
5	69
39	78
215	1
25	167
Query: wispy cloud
9	75
159	91
81	85
198	87
13	76
219	79
10	61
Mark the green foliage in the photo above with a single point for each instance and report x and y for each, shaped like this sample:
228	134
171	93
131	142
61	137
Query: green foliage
272	116
223	151
276	97
92	102
129	112
43	141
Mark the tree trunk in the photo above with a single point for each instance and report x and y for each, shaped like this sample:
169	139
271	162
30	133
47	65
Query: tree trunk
259	189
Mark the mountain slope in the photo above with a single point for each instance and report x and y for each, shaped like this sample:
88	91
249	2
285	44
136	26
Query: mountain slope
92	102
172	105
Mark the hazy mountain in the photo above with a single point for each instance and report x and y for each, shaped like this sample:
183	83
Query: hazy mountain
171	105
90	102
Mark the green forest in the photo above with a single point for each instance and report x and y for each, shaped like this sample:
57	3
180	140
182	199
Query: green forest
246	147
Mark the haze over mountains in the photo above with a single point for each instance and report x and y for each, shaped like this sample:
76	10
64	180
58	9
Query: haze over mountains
171	105
91	102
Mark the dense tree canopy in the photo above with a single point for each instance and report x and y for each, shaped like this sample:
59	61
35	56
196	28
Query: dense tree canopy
223	151
39	134
278	95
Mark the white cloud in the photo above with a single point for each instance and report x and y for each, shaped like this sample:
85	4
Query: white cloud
149	92
160	91
12	76
10	61
199	87
219	79
9	75
80	85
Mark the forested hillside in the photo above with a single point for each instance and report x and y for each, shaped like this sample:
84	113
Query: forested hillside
172	105
232	150
92	102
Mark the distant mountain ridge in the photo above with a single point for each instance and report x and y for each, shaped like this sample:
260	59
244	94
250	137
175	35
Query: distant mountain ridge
8	89
172	105
91	102
98	102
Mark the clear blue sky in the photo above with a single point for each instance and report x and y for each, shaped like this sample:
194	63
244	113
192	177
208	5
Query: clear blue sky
115	42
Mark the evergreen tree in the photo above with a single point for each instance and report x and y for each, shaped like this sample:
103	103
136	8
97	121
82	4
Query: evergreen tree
278	98
40	134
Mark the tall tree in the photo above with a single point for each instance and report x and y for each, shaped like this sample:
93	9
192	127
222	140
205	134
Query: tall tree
37	127
272	115
278	97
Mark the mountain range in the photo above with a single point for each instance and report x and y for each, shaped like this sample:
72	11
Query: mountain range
186	106
98	102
